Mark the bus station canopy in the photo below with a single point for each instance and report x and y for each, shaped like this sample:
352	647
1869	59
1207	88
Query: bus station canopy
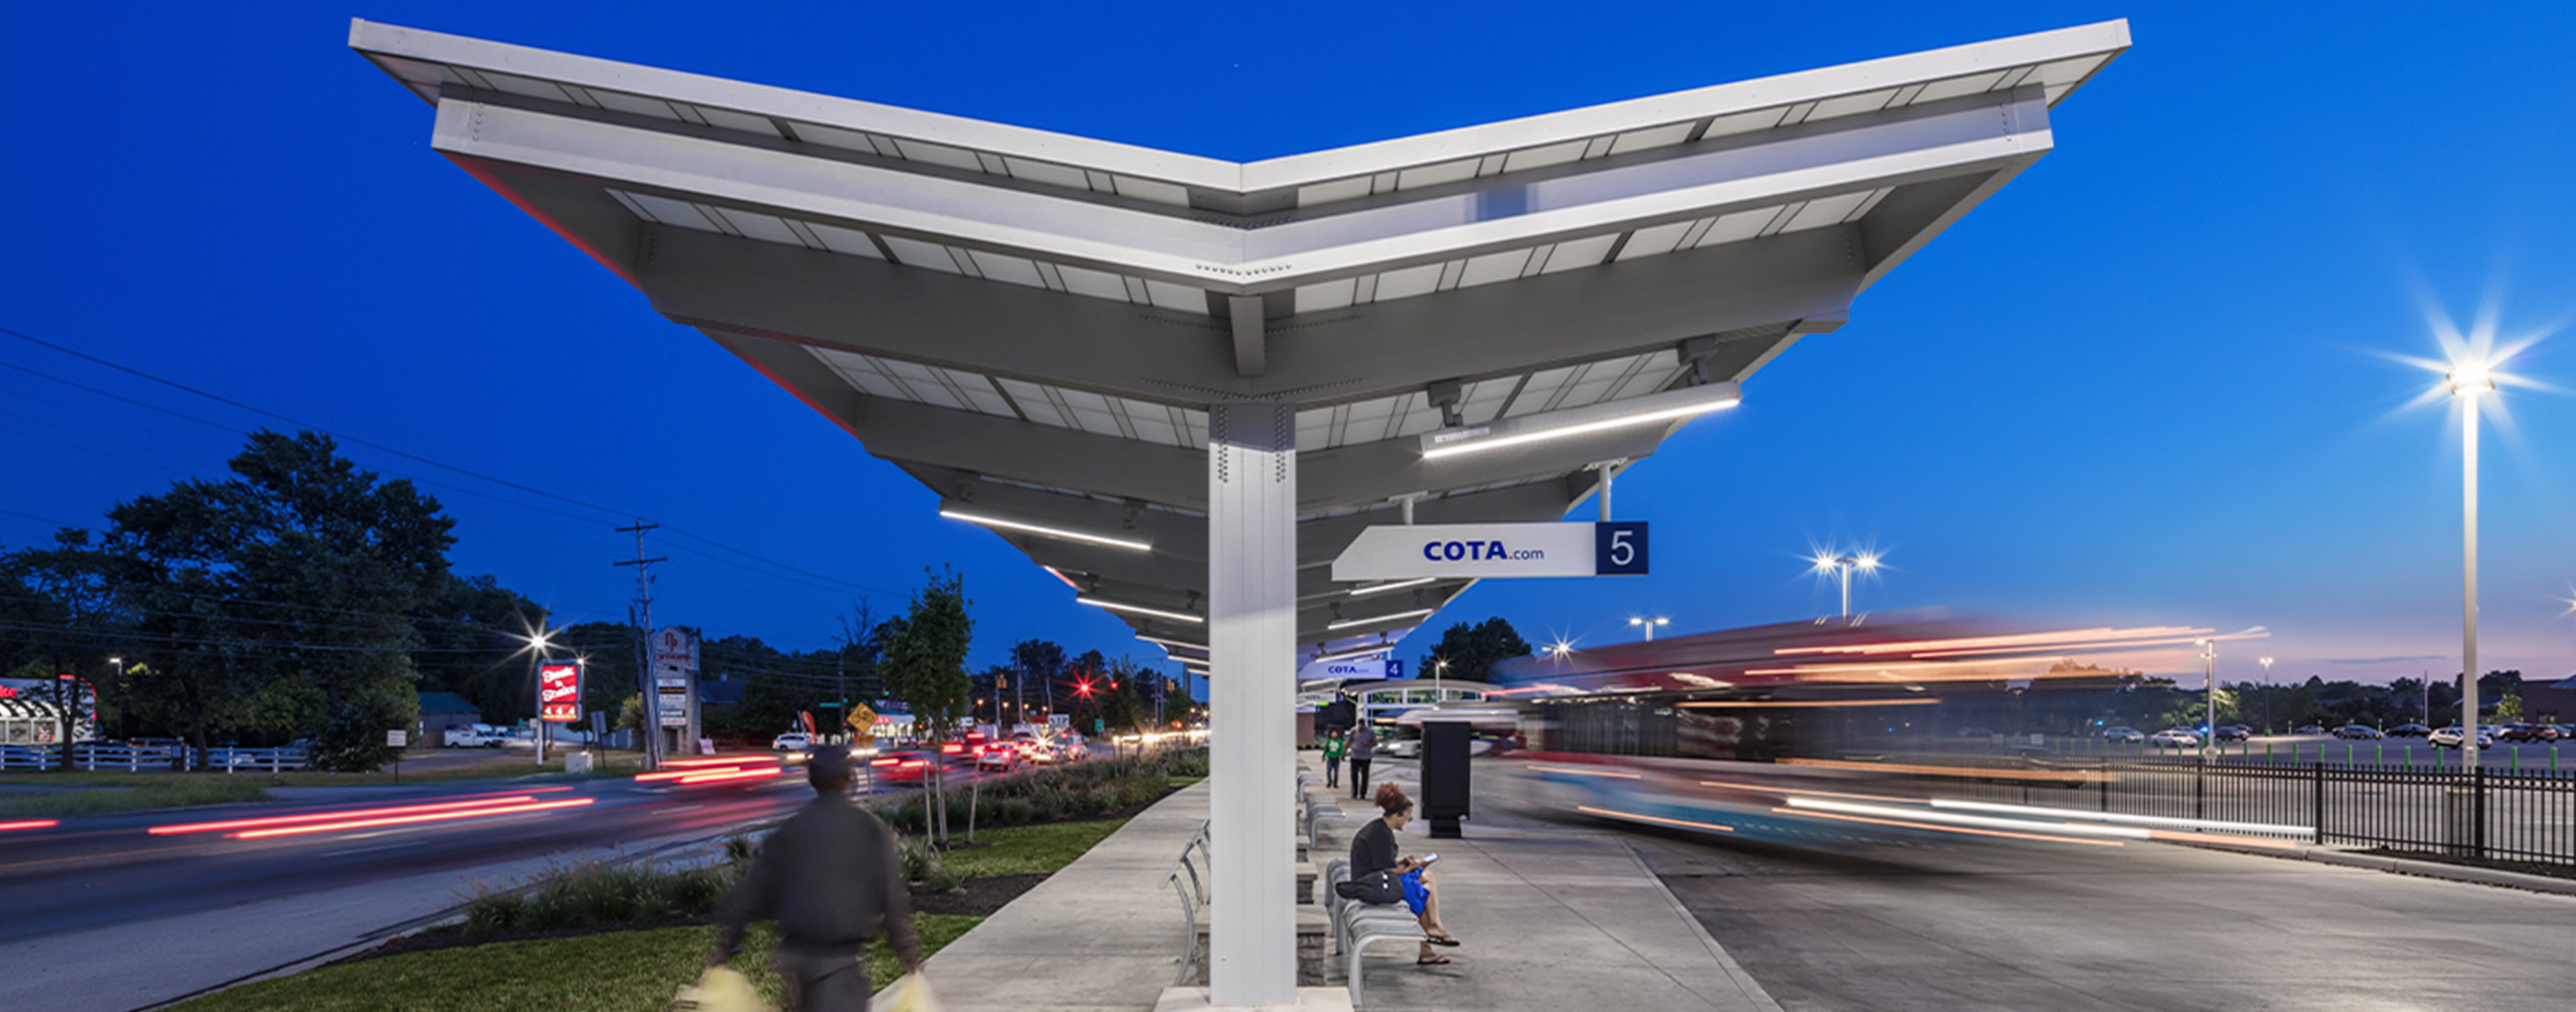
1035	325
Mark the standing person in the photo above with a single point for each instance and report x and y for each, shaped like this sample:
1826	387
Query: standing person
830	876
1363	749
1333	747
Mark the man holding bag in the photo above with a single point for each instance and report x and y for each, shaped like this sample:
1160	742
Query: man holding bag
831	877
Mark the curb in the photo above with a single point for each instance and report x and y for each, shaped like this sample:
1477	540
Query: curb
2406	866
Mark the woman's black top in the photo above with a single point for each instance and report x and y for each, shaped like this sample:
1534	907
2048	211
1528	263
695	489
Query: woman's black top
1372	848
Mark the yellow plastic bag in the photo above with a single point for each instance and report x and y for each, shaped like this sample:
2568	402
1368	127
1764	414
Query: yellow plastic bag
720	989
908	993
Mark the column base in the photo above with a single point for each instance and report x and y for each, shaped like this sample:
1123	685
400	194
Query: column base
1309	999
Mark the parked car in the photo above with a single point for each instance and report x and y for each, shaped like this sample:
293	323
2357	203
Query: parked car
469	737
2174	737
2564	732
2233	732
2451	736
2528	732
904	766
2124	734
1975	732
2308	729
2360	731
1000	755
2409	731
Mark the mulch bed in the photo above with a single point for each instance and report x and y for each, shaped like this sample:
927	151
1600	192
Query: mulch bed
977	897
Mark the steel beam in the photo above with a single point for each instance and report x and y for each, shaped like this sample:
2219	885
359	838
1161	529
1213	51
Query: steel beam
1252	599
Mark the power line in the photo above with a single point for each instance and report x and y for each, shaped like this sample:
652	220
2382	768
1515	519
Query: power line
469	472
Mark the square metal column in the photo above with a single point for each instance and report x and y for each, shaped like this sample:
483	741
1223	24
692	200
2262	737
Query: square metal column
1252	692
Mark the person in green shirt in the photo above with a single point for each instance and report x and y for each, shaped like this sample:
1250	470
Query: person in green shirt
1333	748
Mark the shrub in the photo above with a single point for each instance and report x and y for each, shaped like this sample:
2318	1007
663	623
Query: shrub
921	864
1100	800
598	892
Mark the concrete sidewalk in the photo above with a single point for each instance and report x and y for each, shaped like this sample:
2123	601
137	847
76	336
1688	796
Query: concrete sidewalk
1098	936
1551	917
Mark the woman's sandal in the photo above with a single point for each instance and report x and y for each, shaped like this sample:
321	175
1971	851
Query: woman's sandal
1432	961
1442	940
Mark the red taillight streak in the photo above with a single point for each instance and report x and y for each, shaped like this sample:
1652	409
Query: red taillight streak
916	762
885	762
709	778
30	824
346	813
471	813
727	760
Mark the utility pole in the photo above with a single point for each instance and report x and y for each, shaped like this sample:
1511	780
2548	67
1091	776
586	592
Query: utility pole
651	732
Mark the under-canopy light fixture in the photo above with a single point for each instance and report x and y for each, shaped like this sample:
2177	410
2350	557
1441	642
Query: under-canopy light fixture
1171	645
1380	588
1501	433
1052	532
1139	609
1348	654
1375	619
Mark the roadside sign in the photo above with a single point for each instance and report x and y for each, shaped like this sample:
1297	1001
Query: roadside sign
1488	551
397	739
559	691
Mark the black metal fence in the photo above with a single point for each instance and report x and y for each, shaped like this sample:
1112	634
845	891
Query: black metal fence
2483	815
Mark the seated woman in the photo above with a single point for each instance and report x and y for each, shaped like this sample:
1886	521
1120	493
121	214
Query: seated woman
1405	878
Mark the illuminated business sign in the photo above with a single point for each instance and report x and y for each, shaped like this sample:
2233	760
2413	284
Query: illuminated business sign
559	691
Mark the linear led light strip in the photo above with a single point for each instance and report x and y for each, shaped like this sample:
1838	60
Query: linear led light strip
1375	619
1052	532
1397	585
2123	832
1138	609
1666	406
465	813
1174	644
1348	654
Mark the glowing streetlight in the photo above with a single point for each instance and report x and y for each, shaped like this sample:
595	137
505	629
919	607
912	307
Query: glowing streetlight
2267	693
2469	380
539	639
1843	565
1649	625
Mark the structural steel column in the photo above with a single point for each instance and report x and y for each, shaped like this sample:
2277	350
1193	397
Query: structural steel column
1252	631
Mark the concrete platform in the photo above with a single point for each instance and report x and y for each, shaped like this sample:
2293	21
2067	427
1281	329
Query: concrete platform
1551	917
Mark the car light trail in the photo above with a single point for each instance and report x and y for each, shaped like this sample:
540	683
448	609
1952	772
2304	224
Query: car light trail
1945	818
29	824
1685	823
1970	772
1585	773
724	775
2219	825
400	820
724	760
1758	788
177	829
1947	829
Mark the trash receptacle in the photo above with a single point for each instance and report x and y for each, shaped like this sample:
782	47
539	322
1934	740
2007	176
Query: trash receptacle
1444	775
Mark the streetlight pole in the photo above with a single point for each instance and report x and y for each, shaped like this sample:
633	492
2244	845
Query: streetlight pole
1649	624
2267	695
2209	685
1843	565
125	700
2468	382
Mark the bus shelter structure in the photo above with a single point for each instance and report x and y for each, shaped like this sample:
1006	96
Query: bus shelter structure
1183	385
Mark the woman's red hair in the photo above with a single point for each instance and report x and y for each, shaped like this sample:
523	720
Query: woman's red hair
1390	799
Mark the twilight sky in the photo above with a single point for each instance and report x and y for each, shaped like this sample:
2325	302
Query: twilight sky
2150	382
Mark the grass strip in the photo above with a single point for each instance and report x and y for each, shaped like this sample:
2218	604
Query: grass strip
169	794
1028	850
621	971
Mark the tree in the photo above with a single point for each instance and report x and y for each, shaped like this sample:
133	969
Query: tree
280	598
473	641
925	666
1121	708
1472	651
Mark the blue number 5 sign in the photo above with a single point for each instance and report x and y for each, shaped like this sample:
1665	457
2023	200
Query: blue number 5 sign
1619	548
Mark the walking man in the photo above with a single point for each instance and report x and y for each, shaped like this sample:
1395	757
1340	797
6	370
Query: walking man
1363	748
1333	746
831	877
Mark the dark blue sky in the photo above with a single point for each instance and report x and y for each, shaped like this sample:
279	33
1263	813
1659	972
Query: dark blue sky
2144	384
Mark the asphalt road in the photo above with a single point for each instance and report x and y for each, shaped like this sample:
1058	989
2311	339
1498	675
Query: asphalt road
98	871
2068	929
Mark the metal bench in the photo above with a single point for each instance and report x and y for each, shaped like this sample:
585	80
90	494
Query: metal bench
1356	925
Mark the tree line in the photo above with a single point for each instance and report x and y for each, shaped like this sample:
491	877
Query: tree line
302	597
